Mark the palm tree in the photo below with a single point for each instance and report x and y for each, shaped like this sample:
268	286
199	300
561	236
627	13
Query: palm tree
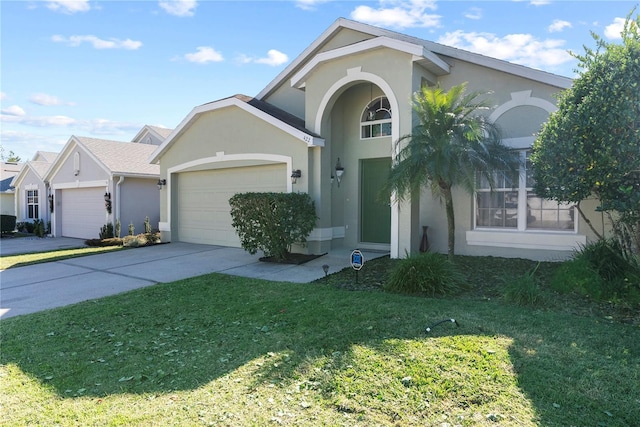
453	145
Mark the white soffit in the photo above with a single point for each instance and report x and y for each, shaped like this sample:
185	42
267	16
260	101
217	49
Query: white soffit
421	55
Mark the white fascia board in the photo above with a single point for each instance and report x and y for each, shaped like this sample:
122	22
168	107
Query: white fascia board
15	182
418	52
64	153
67	151
141	133
295	64
308	139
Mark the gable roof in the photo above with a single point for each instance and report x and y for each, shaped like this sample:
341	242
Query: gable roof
115	157
157	131
45	156
432	51
121	158
5	185
42	161
269	113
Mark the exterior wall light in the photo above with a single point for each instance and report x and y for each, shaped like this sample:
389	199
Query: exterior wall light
161	183
295	175
339	171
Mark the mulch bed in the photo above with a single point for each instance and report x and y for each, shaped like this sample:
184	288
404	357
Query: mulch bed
295	259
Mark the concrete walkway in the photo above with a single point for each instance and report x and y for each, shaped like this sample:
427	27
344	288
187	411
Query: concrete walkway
44	286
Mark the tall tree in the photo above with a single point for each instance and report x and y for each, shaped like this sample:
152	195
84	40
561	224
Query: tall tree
452	145
596	133
10	157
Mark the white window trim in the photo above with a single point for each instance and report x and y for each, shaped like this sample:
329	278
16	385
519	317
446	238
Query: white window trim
35	204
521	237
534	239
376	122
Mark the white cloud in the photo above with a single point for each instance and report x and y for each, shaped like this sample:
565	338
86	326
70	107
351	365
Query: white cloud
98	43
540	2
613	31
14	110
558	25
399	14
47	100
178	7
274	58
69	6
473	13
522	49
309	4
203	55
92	126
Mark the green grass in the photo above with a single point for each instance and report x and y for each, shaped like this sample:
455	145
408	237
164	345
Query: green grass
223	350
22	260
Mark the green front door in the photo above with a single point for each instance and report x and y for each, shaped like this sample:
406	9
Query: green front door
375	213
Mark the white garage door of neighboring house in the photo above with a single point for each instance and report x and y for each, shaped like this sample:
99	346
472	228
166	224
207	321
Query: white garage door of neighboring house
203	200
83	212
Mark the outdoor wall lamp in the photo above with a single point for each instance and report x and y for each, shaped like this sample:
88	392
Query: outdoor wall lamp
295	175
107	201
51	203
161	183
339	171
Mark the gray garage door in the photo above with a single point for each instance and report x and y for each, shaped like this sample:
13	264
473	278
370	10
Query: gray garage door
203	200
82	211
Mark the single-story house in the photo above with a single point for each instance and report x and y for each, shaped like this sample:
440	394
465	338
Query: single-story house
152	135
331	119
95	181
31	191
7	192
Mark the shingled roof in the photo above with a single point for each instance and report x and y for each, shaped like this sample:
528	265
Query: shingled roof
121	158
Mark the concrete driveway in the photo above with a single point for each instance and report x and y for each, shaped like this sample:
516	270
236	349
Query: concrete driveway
44	286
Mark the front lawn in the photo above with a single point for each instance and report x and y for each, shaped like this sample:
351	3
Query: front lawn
223	350
21	260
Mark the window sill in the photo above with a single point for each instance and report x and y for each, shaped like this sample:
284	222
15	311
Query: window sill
555	241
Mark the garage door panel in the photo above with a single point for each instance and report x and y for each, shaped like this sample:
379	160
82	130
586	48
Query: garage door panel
82	212
203	200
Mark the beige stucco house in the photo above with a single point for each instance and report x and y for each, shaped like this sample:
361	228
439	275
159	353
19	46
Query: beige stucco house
334	114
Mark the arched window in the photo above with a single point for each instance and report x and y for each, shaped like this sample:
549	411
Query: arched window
376	119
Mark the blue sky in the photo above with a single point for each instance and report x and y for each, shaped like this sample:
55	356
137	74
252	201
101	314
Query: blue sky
106	68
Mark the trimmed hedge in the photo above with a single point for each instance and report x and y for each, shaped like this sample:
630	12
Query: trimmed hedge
272	222
7	223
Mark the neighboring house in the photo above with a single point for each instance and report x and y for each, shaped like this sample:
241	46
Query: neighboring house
31	191
90	174
334	114
7	194
152	135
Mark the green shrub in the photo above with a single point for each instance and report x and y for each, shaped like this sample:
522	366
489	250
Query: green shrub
606	258
132	229
26	227
426	273
7	223
38	227
118	229
578	275
600	271
272	222
106	232
147	225
524	290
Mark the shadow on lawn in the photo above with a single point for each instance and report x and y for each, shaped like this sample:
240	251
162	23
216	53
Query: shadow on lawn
185	334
